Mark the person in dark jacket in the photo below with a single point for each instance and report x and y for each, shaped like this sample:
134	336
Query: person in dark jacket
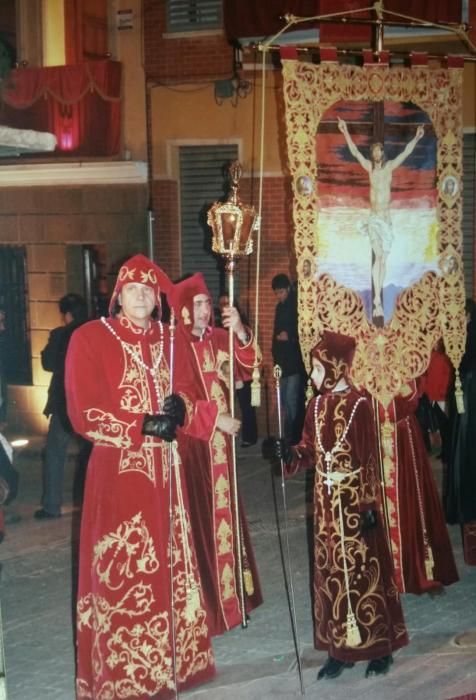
459	492
287	354
73	309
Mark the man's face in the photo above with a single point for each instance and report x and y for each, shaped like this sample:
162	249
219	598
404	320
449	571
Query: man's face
281	294
137	301
202	311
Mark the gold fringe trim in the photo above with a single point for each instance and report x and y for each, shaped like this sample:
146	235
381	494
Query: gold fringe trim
459	394
429	563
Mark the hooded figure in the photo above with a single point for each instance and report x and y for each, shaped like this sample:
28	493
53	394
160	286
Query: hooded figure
117	389
357	613
202	379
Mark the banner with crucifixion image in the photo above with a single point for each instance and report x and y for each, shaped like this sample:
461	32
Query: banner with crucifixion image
375	158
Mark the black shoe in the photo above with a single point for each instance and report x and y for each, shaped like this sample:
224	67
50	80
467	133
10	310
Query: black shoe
43	514
333	668
379	667
248	444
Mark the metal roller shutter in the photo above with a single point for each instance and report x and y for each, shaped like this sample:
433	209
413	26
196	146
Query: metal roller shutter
203	180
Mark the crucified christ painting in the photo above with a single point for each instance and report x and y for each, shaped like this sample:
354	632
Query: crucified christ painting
377	227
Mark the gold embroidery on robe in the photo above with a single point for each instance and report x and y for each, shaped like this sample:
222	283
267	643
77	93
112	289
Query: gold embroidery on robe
227	581
222	492
219	448
224	535
207	361
217	395
134	386
110	430
141	460
142	649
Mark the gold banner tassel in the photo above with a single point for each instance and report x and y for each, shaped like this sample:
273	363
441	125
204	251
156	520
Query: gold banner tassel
459	394
256	385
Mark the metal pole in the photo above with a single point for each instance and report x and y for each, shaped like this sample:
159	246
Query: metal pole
288	579
230	268
150	234
171	461
3	673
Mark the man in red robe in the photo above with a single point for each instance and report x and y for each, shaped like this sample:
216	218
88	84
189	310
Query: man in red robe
205	446
421	548
357	612
141	627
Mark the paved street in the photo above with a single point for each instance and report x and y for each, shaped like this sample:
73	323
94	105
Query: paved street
255	663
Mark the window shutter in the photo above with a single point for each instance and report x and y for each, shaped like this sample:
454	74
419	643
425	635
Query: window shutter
16	350
193	15
203	180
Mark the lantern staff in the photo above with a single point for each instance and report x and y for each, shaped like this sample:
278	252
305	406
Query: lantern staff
233	224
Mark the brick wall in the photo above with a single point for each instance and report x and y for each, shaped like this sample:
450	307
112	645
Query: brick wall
172	59
44	220
167	226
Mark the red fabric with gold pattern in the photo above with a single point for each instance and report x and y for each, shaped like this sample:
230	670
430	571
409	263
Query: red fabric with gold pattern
422	551
347	560
202	380
126	603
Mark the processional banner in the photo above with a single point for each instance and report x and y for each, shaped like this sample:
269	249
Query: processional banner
375	157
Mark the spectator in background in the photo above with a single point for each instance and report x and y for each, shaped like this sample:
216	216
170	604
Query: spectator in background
287	354
435	384
73	309
460	488
249	428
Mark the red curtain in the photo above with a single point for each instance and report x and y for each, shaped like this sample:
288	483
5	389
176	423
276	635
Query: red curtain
248	18
73	31
80	104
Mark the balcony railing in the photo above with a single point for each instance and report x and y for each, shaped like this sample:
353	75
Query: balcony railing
80	104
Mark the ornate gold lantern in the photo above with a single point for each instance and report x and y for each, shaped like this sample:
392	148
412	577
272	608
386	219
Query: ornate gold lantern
232	222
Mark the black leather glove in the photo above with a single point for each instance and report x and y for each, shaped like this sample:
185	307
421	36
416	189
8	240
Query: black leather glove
160	425
284	450
276	449
368	520
174	406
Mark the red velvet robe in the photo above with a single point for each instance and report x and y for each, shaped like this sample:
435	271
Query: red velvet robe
201	378
422	552
124	609
374	599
